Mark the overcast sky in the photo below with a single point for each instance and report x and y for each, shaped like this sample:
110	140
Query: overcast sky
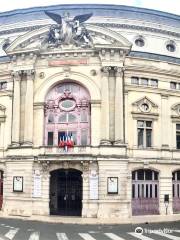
172	6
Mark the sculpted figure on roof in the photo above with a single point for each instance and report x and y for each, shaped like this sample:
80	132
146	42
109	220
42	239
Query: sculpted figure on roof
67	31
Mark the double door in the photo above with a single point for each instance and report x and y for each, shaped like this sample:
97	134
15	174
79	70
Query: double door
69	193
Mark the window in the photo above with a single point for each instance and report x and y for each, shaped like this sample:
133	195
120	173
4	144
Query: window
84	117
171	47
67	115
154	82
144	81
144	129
3	85
67	104
51	118
50	138
139	42
173	85
144	107
178	136
84	135
135	80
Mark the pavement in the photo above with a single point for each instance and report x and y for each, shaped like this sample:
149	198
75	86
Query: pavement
94	221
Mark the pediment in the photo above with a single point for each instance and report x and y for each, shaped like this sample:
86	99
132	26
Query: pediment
36	40
2	109
176	110
144	105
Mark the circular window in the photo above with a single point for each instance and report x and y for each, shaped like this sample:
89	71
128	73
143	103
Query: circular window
139	42
171	47
145	107
67	104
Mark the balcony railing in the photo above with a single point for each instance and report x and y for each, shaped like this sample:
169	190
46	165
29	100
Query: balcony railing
70	150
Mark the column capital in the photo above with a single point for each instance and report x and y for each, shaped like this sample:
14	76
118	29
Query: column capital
30	73
105	70
17	75
119	71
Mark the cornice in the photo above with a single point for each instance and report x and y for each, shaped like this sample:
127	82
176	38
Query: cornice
108	25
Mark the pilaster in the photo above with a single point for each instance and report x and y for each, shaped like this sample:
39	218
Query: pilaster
119	106
105	106
16	108
28	127
164	122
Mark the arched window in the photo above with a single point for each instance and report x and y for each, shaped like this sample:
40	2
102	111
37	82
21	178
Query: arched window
145	192
176	191
68	108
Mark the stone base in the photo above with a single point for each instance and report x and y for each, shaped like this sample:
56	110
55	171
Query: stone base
15	144
118	142
113	210
105	142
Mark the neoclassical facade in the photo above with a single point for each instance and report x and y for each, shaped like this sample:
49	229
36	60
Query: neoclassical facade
89	112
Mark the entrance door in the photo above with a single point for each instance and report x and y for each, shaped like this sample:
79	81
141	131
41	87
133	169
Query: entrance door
176	192
145	192
66	192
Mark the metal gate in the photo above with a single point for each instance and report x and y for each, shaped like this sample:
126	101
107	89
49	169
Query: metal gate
176	192
67	199
1	189
145	192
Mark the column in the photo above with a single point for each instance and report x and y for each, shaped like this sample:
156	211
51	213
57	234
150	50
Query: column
126	115
119	107
105	106
16	108
112	86
28	126
164	122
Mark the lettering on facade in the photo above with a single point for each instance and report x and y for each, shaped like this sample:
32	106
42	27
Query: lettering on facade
67	62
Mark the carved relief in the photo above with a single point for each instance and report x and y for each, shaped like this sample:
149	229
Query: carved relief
175	111
66	32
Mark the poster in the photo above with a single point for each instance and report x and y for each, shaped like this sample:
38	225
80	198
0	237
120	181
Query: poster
112	185
37	186
17	184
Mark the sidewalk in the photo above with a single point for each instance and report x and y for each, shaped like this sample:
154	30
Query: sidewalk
79	220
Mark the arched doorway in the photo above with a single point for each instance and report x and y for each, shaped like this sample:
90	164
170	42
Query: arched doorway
145	192
1	189
176	191
66	192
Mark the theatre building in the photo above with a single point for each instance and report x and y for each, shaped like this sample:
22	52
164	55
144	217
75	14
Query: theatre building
89	111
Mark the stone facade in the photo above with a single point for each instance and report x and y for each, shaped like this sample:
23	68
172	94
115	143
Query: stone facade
126	88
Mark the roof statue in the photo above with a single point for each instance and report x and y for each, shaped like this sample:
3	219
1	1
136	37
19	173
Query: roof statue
67	32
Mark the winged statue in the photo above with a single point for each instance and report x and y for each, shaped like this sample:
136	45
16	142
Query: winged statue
69	31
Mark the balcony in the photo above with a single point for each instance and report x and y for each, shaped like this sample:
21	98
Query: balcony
101	150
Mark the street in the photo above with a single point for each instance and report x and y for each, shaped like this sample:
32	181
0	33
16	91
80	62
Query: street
15	229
